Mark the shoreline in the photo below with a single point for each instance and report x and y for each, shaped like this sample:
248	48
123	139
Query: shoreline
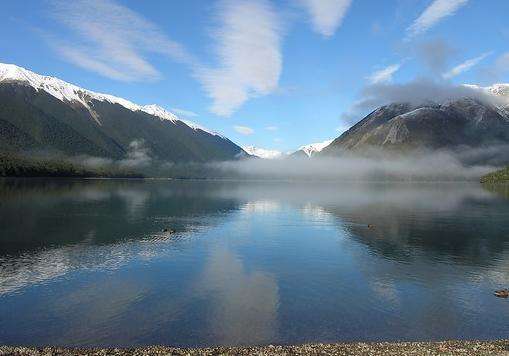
452	347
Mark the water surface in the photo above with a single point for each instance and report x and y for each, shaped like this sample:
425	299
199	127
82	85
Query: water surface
85	262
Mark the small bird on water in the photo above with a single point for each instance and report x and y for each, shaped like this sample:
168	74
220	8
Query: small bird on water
503	293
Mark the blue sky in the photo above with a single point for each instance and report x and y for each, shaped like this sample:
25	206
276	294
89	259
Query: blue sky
274	74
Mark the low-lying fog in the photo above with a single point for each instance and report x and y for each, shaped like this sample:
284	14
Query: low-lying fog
462	164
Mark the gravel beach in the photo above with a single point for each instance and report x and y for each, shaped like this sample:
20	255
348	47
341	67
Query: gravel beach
500	347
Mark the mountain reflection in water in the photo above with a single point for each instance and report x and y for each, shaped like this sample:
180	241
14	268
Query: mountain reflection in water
85	262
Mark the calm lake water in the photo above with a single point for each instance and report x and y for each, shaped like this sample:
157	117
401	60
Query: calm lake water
85	262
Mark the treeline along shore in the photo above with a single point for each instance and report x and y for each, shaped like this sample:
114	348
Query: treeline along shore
499	176
16	165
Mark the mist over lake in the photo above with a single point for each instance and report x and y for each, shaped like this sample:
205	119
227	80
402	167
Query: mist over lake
86	262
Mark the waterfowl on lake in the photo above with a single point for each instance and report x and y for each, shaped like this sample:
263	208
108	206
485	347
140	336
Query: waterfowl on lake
503	293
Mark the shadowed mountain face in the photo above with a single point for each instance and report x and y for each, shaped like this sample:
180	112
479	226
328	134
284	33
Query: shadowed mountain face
34	120
403	127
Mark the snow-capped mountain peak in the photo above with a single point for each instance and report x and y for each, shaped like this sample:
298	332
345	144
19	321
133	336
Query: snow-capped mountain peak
499	93
158	111
64	91
262	153
500	90
313	148
309	150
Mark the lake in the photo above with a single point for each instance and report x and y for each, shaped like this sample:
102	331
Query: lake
86	262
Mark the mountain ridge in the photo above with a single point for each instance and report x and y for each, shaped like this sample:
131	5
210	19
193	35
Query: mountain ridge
39	113
63	90
402	127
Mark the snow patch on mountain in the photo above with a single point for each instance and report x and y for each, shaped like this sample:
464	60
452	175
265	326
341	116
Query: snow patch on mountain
156	110
500	94
262	153
500	90
313	148
64	91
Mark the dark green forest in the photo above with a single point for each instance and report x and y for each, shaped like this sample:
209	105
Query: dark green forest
14	165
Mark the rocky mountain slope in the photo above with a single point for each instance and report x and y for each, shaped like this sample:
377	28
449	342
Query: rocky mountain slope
465	122
45	114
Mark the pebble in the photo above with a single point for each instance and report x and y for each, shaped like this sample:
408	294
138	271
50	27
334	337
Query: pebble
498	347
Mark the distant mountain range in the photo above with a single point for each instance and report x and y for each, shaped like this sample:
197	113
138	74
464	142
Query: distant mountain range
45	114
464	122
262	153
303	151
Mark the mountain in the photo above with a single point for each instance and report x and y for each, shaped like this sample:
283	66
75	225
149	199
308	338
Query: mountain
262	153
467	121
40	113
311	149
304	151
499	90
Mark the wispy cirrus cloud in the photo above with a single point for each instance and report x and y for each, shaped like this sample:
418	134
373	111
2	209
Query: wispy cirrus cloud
465	66
326	15
384	75
497	71
184	113
248	49
243	130
502	64
94	63
434	13
271	128
110	39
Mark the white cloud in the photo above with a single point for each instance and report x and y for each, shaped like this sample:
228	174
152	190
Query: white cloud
247	44
465	66
244	130
110	39
438	10
326	15
502	63
416	92
384	75
184	113
271	128
81	58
